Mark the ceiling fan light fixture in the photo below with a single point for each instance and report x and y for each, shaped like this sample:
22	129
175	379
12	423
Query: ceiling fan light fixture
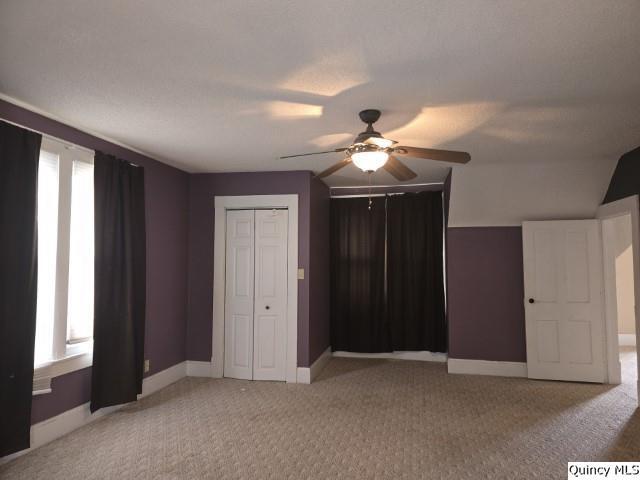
370	161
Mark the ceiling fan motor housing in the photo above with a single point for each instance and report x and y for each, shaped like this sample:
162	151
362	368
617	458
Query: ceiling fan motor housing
368	133
369	116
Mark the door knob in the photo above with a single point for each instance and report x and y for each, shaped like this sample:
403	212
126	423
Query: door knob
531	300
267	307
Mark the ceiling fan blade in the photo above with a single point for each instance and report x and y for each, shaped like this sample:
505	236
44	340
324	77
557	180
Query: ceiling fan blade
398	169
334	168
316	153
433	154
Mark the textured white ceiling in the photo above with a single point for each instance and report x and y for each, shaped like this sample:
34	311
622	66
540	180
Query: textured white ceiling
231	85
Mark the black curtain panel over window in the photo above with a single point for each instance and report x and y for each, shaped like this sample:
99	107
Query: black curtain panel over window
415	293
19	154
358	320
120	282
387	289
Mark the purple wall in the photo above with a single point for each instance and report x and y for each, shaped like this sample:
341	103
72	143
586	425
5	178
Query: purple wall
486	292
202	190
166	215
625	180
446	199
67	391
319	271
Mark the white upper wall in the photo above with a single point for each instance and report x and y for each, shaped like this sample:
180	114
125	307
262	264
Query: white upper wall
506	195
544	94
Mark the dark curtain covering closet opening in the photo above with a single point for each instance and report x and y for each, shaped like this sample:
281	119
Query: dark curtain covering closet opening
358	320
415	294
120	282
19	156
387	285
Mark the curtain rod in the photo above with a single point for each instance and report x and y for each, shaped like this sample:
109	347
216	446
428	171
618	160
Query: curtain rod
68	145
51	137
364	195
391	186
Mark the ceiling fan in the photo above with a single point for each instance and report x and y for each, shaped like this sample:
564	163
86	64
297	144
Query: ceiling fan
371	151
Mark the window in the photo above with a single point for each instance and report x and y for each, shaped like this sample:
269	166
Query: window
64	316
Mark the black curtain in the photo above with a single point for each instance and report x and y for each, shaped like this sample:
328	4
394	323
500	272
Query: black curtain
120	282
19	154
415	295
358	320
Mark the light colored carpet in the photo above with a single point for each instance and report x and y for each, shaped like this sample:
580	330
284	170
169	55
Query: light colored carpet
361	419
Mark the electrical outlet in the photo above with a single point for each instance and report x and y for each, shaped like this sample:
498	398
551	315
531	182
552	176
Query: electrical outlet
146	365
301	274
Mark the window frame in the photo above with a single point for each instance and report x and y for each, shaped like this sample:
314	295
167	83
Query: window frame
66	357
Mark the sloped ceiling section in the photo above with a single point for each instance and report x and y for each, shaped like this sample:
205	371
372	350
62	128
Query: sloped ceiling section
544	95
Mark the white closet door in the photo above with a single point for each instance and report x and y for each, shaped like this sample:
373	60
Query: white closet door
239	295
564	310
270	321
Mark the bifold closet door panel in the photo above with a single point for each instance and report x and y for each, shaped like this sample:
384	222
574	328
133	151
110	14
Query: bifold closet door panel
239	294
270	307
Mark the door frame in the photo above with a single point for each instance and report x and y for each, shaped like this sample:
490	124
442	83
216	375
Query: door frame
625	206
250	202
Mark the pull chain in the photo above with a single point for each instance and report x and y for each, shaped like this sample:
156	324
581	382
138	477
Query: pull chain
370	201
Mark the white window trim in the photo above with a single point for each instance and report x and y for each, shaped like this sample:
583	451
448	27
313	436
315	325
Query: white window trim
67	358
43	374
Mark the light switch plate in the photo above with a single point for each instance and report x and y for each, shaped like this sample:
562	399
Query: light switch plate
301	274
146	366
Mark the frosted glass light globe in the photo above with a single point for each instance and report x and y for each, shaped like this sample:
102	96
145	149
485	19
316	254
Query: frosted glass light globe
369	161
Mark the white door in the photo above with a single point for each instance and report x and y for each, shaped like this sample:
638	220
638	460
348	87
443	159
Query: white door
239	295
270	320
256	294
564	310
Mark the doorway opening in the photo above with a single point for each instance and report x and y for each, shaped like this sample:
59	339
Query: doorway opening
620	296
620	249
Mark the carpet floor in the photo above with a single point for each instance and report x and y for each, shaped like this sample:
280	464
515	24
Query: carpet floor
360	419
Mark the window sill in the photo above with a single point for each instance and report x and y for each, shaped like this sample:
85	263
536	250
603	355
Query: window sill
71	363
43	374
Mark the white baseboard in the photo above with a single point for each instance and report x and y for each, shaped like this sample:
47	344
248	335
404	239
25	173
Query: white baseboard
159	380
303	374
199	369
486	367
217	371
55	427
420	356
309	374
627	339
